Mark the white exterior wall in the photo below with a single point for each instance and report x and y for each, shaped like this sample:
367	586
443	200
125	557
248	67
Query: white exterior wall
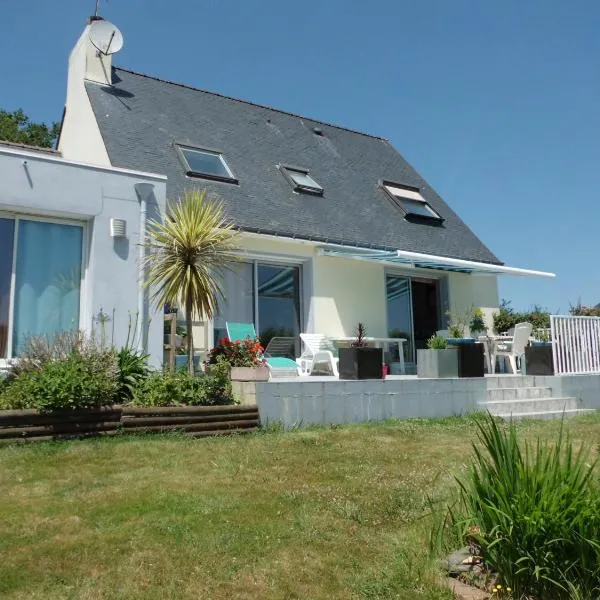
80	137
348	292
43	185
466	291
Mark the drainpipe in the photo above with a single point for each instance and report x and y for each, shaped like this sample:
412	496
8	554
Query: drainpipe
144	192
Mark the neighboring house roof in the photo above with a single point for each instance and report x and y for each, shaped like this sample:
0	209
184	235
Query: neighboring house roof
142	118
29	147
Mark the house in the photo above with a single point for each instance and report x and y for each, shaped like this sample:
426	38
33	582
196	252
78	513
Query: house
69	234
336	226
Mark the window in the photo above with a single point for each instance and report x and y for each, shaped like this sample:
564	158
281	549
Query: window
301	180
411	202
205	163
44	261
266	294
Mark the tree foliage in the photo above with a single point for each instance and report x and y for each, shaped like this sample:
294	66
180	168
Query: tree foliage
186	256
18	128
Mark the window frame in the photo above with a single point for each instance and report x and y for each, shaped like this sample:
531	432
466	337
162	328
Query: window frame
200	175
316	190
16	217
434	217
257	259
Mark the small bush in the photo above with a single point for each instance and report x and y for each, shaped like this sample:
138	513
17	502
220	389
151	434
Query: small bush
73	383
181	388
437	342
534	513
133	370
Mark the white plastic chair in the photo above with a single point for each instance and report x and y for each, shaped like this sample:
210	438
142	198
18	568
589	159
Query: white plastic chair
318	351
517	348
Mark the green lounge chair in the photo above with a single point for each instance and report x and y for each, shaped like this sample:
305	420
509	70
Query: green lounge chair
279	366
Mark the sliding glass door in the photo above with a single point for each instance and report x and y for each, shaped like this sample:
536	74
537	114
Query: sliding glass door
278	303
265	294
40	286
399	312
7	227
238	304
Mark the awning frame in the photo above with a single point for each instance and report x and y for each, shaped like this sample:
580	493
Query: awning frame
418	260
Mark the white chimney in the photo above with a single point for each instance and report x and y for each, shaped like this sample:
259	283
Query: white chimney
80	137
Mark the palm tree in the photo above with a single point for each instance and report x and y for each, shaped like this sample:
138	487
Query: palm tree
185	257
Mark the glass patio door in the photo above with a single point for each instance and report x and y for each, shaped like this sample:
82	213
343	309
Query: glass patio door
265	294
399	313
278	302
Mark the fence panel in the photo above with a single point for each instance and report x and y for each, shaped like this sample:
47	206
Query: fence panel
575	344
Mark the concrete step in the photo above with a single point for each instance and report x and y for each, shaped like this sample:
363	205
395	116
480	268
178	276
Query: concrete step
509	381
546	415
527	405
518	393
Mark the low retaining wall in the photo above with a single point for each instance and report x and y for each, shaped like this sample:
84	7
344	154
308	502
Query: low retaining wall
197	421
305	402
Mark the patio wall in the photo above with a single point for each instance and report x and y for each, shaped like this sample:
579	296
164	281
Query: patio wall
304	402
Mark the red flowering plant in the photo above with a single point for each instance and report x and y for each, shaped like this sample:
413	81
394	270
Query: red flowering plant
243	353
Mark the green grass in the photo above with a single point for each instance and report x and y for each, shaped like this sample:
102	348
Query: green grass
320	514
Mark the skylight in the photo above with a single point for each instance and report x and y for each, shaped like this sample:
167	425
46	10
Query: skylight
301	180
205	163
410	201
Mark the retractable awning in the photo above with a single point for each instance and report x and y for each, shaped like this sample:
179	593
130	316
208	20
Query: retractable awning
417	260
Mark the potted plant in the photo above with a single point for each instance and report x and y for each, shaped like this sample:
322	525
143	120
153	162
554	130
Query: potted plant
244	357
359	361
458	324
437	361
470	355
477	323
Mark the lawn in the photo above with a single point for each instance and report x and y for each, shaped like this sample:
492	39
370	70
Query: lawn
317	514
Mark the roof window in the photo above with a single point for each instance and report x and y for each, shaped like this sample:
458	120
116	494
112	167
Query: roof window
411	202
207	164
301	180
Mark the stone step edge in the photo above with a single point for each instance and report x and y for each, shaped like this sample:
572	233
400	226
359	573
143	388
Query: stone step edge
526	387
543	413
518	400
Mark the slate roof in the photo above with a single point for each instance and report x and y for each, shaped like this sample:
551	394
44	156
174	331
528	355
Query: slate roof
141	118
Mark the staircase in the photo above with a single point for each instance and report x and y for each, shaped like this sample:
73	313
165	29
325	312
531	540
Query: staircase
519	397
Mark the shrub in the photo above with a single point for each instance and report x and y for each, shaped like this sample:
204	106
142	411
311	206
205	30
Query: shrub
581	310
534	513
181	388
79	381
244	353
437	342
506	317
133	370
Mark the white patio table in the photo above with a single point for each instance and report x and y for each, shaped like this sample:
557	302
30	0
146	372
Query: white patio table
380	340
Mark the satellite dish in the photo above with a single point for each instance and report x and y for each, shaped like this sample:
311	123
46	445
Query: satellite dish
106	37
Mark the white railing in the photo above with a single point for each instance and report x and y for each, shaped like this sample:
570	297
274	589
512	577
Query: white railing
575	344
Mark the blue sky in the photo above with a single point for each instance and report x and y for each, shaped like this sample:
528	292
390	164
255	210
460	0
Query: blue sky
496	104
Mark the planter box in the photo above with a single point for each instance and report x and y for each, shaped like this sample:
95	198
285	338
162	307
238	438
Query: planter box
539	360
460	341
249	373
437	364
470	360
361	363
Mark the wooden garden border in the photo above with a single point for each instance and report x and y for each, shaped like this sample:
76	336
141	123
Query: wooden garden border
197	421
